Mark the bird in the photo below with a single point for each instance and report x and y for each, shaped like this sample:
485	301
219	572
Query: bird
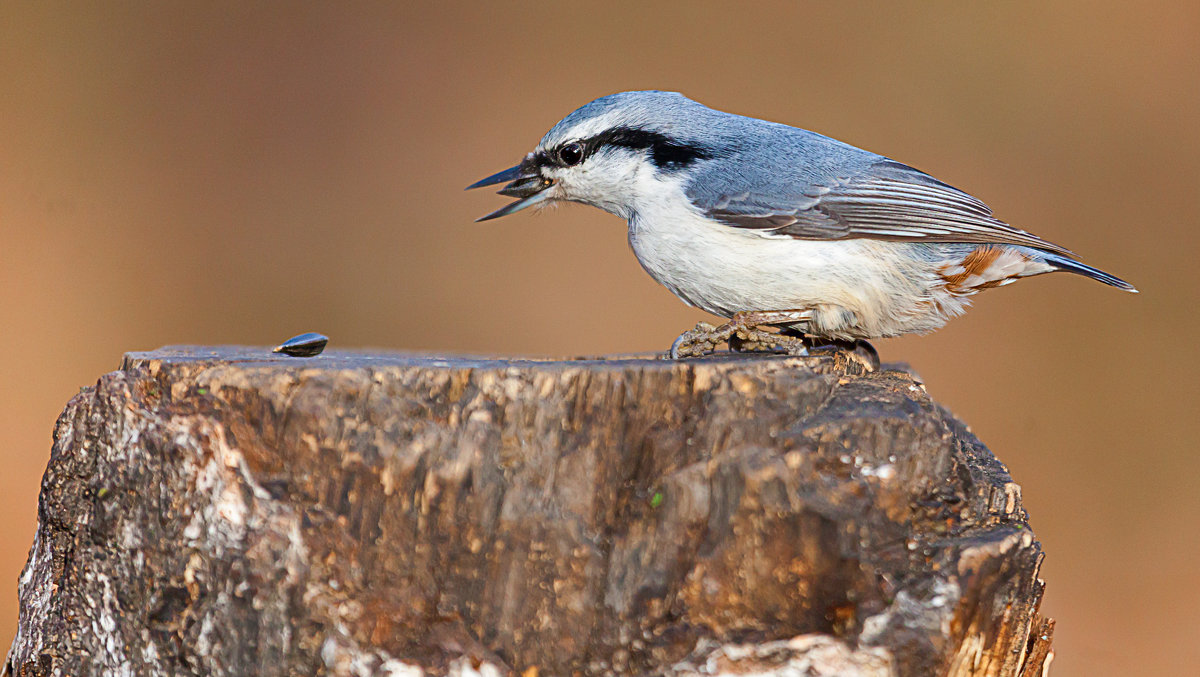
775	227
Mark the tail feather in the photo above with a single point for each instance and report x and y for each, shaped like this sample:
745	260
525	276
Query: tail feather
1072	266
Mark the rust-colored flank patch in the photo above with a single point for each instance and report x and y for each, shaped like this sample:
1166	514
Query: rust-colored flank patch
971	274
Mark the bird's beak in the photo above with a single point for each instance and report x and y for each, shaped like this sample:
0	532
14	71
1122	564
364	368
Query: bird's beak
524	181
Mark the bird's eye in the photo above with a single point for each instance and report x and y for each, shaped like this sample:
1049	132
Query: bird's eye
571	154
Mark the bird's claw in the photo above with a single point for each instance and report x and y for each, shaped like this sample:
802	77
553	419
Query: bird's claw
696	342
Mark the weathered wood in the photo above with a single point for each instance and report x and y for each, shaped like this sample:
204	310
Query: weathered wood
227	511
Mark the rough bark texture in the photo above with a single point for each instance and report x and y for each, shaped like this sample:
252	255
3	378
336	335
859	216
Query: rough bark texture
226	512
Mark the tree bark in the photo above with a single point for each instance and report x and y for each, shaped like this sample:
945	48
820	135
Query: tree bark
226	511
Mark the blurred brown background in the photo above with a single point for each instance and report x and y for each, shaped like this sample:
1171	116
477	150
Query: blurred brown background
239	174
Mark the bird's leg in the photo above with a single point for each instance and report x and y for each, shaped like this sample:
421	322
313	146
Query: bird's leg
742	333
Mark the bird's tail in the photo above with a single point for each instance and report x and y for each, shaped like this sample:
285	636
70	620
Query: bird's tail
1072	266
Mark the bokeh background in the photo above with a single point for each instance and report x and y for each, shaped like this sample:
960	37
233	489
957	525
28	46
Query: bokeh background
239	173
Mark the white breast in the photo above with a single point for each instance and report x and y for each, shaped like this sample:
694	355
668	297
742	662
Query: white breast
858	288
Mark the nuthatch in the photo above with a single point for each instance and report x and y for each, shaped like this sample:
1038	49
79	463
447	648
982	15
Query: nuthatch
770	225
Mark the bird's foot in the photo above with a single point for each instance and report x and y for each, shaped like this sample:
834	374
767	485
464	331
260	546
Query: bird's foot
761	341
742	333
861	350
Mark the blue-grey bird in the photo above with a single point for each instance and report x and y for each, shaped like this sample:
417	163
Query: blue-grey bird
770	225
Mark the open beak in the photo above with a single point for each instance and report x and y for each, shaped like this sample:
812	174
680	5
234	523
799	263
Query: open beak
524	182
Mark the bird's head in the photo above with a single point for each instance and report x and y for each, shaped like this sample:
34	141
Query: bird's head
612	153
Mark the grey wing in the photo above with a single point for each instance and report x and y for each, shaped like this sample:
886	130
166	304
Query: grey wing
887	200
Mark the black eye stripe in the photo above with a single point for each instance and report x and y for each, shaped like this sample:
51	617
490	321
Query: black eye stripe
665	152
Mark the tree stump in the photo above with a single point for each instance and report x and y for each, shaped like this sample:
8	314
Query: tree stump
226	511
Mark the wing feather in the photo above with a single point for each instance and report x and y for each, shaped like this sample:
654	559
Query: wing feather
886	201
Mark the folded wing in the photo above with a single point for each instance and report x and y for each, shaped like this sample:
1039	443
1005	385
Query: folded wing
886	200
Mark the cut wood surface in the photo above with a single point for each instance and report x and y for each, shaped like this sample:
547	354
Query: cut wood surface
227	511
